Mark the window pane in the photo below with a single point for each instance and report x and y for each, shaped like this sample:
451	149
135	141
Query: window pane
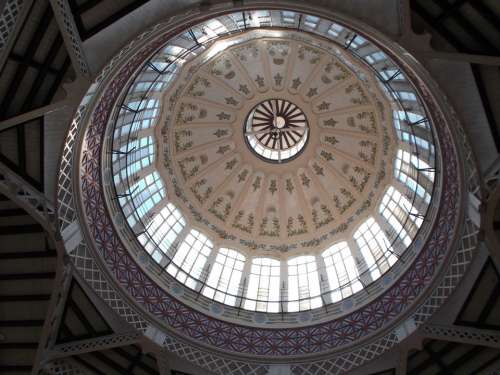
225	276
341	271
263	285
190	258
303	283
375	248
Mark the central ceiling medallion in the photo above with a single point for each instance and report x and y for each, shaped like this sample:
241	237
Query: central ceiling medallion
276	130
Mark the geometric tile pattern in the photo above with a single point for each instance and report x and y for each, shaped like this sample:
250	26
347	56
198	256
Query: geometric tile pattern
215	363
86	265
344	363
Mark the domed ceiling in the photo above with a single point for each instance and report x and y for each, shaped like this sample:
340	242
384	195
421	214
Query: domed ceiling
277	143
278	179
266	183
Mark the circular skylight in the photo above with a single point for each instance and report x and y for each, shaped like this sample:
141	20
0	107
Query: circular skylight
276	130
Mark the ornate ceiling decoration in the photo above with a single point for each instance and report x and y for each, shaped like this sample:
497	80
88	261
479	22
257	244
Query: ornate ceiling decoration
347	142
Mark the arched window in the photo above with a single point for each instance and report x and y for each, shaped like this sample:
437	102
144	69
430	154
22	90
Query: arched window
404	133
189	260
162	231
406	96
413	118
335	30
341	271
225	276
145	193
406	170
132	158
303	284
264	285
375	57
288	17
374	247
401	214
211	29
136	115
357	42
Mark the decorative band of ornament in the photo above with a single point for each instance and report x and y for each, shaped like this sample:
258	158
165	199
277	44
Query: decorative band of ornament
237	338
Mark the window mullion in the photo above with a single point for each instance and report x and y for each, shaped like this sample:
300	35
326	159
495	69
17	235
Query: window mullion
394	239
172	250
205	273
243	285
364	276
324	286
284	286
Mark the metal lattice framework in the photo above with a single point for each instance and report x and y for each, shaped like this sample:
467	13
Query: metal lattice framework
8	19
465	335
29	198
90	345
65	19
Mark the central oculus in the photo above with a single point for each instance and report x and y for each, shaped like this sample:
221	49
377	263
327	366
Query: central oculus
276	130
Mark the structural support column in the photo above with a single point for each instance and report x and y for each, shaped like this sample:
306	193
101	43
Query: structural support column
71	37
401	368
245	279
54	315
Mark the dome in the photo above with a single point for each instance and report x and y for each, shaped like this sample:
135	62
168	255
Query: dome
265	148
258	179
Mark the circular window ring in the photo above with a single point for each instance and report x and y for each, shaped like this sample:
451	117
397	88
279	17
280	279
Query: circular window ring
276	130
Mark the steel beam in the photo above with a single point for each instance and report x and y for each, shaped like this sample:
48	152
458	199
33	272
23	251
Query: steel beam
11	37
95	344
28	198
72	39
462	335
32	115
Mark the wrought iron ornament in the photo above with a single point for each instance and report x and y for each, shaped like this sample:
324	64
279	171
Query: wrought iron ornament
276	130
